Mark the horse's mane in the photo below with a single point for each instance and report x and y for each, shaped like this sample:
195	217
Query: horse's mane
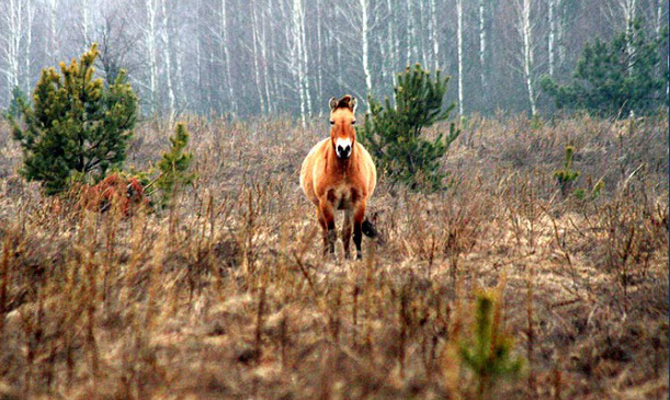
344	101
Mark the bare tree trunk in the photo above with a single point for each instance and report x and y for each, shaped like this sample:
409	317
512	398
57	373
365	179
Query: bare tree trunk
459	39
298	57
560	32
264	55
167	55
11	39
255	38
551	37
365	43
525	29
52	44
226	57
410	31
150	38
629	8
30	14
434	36
482	47
393	41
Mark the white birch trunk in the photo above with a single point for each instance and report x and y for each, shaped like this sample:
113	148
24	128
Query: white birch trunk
255	38
11	39
319	53
305	60
393	42
459	39
266	62
560	32
150	39
52	44
410	31
86	23
365	43
226	57
434	36
297	57
27	62
167	55
526	36
482	46
551	37
629	8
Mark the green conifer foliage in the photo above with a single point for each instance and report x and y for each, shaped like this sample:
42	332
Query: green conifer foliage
566	176
488	352
393	133
612	79
76	126
174	165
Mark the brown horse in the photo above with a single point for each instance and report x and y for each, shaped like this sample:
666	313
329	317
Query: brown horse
338	174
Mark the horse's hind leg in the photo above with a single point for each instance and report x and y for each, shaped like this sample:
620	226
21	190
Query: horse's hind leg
346	232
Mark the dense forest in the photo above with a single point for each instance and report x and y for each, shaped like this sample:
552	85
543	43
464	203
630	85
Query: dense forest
262	57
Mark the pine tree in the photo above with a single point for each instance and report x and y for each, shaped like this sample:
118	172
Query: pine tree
611	80
76	127
488	351
393	134
174	165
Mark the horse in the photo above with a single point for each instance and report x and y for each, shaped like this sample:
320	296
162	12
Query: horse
339	174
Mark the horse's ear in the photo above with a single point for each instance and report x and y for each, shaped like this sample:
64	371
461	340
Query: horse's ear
333	103
353	104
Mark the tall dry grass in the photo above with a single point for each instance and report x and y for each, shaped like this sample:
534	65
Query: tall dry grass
226	295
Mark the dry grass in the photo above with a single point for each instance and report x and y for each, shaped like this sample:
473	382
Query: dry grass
227	296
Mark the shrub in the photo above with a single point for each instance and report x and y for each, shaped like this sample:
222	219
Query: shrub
393	134
77	125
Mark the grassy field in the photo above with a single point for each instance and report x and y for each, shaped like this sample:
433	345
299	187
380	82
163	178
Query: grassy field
227	294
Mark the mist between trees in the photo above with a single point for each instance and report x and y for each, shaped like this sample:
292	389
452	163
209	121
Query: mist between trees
263	57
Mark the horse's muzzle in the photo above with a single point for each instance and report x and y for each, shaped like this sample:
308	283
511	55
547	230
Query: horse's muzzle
343	151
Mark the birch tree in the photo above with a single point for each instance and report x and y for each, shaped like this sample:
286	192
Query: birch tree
225	49
150	40
482	46
459	40
525	30
167	59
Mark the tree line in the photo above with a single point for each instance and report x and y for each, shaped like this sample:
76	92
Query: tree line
269	57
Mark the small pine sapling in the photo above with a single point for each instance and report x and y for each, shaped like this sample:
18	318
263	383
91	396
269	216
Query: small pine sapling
488	353
566	176
174	166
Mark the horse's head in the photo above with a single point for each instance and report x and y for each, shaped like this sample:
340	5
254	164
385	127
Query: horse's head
342	119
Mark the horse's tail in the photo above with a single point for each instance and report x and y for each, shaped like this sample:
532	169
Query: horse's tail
371	231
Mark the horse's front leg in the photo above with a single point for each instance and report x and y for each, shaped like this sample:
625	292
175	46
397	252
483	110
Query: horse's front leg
327	220
359	216
346	232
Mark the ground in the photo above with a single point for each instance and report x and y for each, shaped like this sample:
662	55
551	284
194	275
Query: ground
227	295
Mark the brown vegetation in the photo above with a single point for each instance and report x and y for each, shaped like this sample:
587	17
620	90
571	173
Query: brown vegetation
227	295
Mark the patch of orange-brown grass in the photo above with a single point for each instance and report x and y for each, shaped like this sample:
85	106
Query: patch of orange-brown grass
226	295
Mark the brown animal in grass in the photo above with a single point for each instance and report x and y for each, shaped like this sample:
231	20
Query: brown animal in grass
339	174
126	194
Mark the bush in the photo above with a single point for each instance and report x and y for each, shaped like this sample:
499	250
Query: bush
77	126
392	134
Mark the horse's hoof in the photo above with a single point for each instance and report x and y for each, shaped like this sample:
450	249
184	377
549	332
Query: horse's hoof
359	255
